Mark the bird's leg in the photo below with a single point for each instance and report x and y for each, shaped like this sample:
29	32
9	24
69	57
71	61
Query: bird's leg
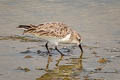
46	45
59	51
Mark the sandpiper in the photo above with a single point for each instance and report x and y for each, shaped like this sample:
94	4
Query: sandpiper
55	33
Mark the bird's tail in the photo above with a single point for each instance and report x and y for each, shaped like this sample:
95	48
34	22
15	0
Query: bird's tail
28	28
24	26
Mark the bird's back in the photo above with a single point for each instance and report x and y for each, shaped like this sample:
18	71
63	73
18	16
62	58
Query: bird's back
49	29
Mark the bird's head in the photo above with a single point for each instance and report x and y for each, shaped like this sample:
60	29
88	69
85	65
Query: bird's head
77	39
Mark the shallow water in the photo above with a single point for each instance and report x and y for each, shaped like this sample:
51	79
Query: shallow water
96	20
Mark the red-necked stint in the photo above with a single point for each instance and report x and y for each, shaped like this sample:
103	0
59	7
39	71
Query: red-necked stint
55	33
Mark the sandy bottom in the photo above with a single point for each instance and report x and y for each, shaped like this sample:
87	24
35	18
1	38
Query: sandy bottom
24	57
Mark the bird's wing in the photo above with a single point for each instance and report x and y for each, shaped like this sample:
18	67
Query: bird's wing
51	30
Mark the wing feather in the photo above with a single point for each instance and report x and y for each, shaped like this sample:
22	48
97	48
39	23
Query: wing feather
51	30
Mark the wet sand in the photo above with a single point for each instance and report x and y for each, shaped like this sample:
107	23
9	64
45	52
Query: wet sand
24	57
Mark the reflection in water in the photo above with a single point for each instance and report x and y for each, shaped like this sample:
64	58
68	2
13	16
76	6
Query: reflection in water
49	60
63	72
58	61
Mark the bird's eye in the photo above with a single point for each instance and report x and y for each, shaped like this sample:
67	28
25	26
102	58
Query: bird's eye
79	39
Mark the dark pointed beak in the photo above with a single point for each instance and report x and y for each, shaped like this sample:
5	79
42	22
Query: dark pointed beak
80	48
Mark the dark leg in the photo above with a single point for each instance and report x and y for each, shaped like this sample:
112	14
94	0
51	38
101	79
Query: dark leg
59	51
46	45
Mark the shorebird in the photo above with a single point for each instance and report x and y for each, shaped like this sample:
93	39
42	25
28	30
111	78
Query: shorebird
55	33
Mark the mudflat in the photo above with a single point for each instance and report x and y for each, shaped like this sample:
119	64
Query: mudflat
24	57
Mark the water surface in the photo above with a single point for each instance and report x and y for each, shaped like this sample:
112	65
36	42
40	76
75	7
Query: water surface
98	22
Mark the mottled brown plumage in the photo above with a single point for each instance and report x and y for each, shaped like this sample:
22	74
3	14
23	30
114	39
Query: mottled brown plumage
53	32
50	29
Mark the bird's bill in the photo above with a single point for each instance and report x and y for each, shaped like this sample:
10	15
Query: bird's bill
80	48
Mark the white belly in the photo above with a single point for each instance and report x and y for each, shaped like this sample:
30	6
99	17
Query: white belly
65	39
59	40
56	40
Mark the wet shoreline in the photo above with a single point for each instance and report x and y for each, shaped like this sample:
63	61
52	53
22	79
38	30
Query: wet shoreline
24	57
